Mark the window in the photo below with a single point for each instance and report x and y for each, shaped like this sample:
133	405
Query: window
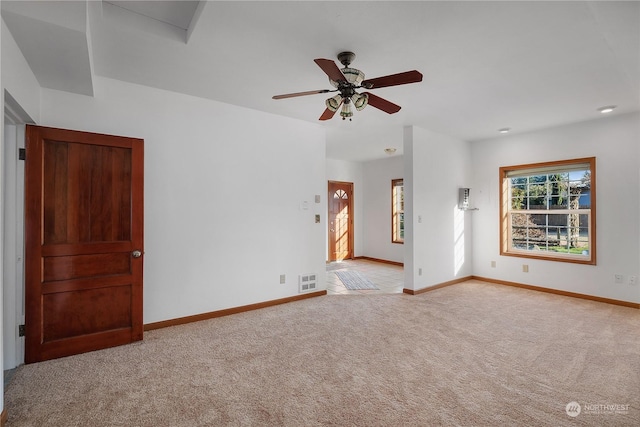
397	211
548	210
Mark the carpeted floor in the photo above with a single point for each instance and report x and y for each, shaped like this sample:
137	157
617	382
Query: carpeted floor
472	354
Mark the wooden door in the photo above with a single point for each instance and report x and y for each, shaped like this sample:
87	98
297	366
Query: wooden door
83	242
340	201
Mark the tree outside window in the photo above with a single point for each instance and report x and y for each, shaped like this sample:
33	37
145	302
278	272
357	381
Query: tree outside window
548	210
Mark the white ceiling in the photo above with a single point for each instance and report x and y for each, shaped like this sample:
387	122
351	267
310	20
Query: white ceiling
486	65
176	13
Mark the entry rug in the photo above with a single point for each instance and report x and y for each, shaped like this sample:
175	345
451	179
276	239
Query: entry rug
355	280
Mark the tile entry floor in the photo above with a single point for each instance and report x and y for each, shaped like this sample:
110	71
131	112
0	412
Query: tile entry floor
388	278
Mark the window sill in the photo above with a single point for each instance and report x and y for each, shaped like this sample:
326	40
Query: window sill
579	259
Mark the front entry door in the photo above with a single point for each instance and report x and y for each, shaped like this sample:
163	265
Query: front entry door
83	242
340	201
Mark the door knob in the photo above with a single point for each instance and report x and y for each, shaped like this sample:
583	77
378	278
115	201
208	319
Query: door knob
136	254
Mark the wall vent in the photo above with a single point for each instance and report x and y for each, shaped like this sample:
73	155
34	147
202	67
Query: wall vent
307	282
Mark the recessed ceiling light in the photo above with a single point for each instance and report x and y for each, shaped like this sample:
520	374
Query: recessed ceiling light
390	150
504	130
607	109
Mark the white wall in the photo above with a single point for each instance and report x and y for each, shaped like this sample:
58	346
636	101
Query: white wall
345	171
377	176
439	235
17	77
224	187
614	141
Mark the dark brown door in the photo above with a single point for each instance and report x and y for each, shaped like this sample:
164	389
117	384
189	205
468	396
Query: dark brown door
83	242
340	199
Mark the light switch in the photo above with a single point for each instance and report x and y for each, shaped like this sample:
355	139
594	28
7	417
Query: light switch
317	198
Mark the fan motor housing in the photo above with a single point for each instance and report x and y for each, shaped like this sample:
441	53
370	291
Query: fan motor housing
346	58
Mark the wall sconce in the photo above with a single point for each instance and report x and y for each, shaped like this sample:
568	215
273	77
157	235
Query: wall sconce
463	199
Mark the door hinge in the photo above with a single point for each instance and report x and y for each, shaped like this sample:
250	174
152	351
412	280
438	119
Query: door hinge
22	153
20	330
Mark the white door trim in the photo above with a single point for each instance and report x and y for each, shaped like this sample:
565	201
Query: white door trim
12	235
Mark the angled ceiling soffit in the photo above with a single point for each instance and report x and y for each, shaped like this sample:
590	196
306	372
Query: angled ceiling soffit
173	20
54	40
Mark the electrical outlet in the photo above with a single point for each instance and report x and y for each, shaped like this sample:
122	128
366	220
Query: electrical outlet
633	280
420	272
618	278
283	279
525	268
493	264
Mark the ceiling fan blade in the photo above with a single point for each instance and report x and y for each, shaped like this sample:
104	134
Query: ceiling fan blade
328	114
393	80
310	92
331	69
382	104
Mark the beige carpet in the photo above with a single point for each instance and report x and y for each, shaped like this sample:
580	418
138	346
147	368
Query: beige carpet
472	354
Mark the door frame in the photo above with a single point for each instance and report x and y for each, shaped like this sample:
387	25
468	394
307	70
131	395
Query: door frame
12	277
351	217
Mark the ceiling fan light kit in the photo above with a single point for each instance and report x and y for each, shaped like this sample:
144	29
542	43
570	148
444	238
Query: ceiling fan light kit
333	103
360	100
347	80
346	110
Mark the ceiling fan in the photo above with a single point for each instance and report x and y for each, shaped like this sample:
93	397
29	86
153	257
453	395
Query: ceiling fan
347	80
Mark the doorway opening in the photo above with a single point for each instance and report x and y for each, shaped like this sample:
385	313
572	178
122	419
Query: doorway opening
346	273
